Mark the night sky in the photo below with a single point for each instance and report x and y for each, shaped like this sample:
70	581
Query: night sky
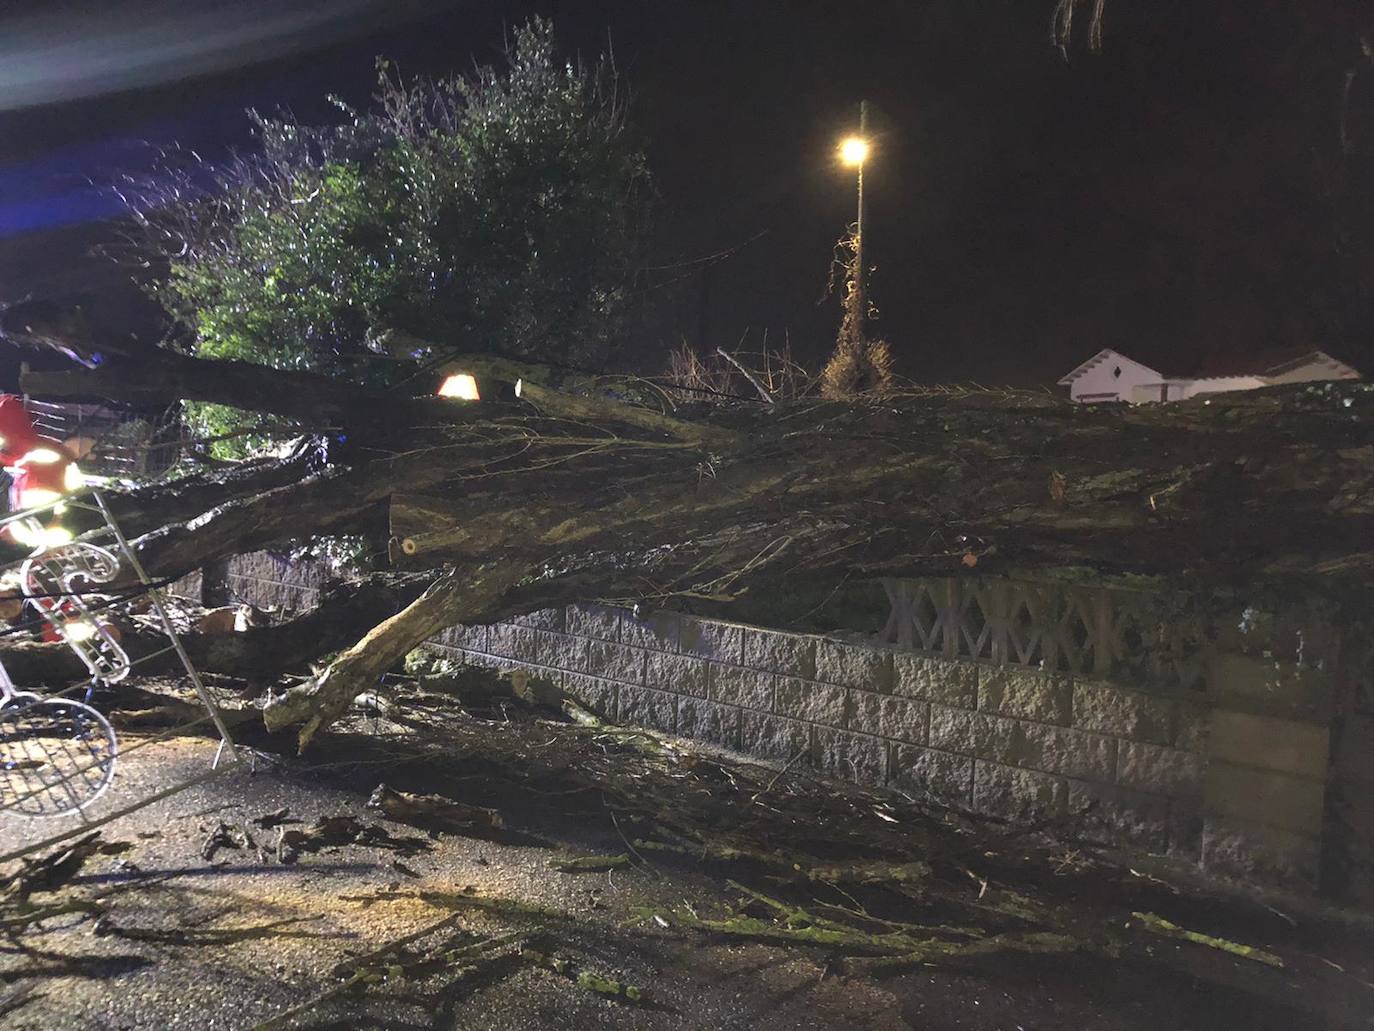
1174	196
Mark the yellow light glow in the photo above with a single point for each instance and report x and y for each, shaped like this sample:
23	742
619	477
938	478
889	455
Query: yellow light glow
79	631
31	534
55	535
40	456
24	534
34	497
73	478
854	150
461	386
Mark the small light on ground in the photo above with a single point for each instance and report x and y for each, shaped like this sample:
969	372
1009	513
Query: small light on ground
461	386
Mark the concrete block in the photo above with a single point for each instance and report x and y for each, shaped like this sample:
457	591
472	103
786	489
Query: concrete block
299	574
614	661
945	681
706	721
1113	815
483	661
719	641
1263	796
1280	687
541	647
1191	720
806	700
1254	850
1129	714
854	665
1024	694
681	674
656	630
953	730
599	621
1016	794
772	737
903	719
445	651
284	597
1270	743
932	775
1163	771
503	639
1025	744
853	757
473	638
735	685
1073	753
542	619
600	696
259	565
789	654
187	587
645	707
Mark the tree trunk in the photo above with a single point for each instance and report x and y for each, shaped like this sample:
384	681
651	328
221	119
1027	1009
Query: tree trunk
562	497
344	614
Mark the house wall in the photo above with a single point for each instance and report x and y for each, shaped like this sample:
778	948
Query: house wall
1221	384
1099	379
1225	768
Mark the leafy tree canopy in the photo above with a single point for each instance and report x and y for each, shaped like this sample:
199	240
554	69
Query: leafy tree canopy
500	211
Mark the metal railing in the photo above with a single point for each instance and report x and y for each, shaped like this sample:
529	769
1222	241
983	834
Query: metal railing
57	752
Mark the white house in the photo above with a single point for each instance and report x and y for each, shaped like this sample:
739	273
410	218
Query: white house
1111	376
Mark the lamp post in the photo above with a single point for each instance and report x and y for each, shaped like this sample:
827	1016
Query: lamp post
854	152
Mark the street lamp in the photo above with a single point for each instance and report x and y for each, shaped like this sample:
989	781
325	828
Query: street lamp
854	152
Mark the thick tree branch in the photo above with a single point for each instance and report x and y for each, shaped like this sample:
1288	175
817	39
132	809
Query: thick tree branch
571	497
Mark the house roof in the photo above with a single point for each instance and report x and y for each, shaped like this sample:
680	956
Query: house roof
1218	366
1106	354
1264	362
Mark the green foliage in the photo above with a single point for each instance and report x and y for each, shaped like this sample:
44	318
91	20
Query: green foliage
503	211
231	432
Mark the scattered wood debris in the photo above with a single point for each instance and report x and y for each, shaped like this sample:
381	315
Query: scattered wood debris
1158	925
433	812
341	830
591	980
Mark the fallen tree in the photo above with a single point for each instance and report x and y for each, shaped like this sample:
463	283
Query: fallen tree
560	492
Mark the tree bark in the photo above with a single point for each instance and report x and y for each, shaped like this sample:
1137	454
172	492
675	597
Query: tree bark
344	614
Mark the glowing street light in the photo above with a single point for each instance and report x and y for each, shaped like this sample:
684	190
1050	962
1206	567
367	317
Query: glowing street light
854	151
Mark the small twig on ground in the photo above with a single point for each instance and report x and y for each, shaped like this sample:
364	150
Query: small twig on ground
753	380
588	979
21	996
593	864
778	776
1158	925
644	863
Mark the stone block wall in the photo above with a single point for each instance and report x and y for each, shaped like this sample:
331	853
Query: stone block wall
1226	778
1166	773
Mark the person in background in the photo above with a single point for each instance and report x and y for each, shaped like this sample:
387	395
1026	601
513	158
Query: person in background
41	471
